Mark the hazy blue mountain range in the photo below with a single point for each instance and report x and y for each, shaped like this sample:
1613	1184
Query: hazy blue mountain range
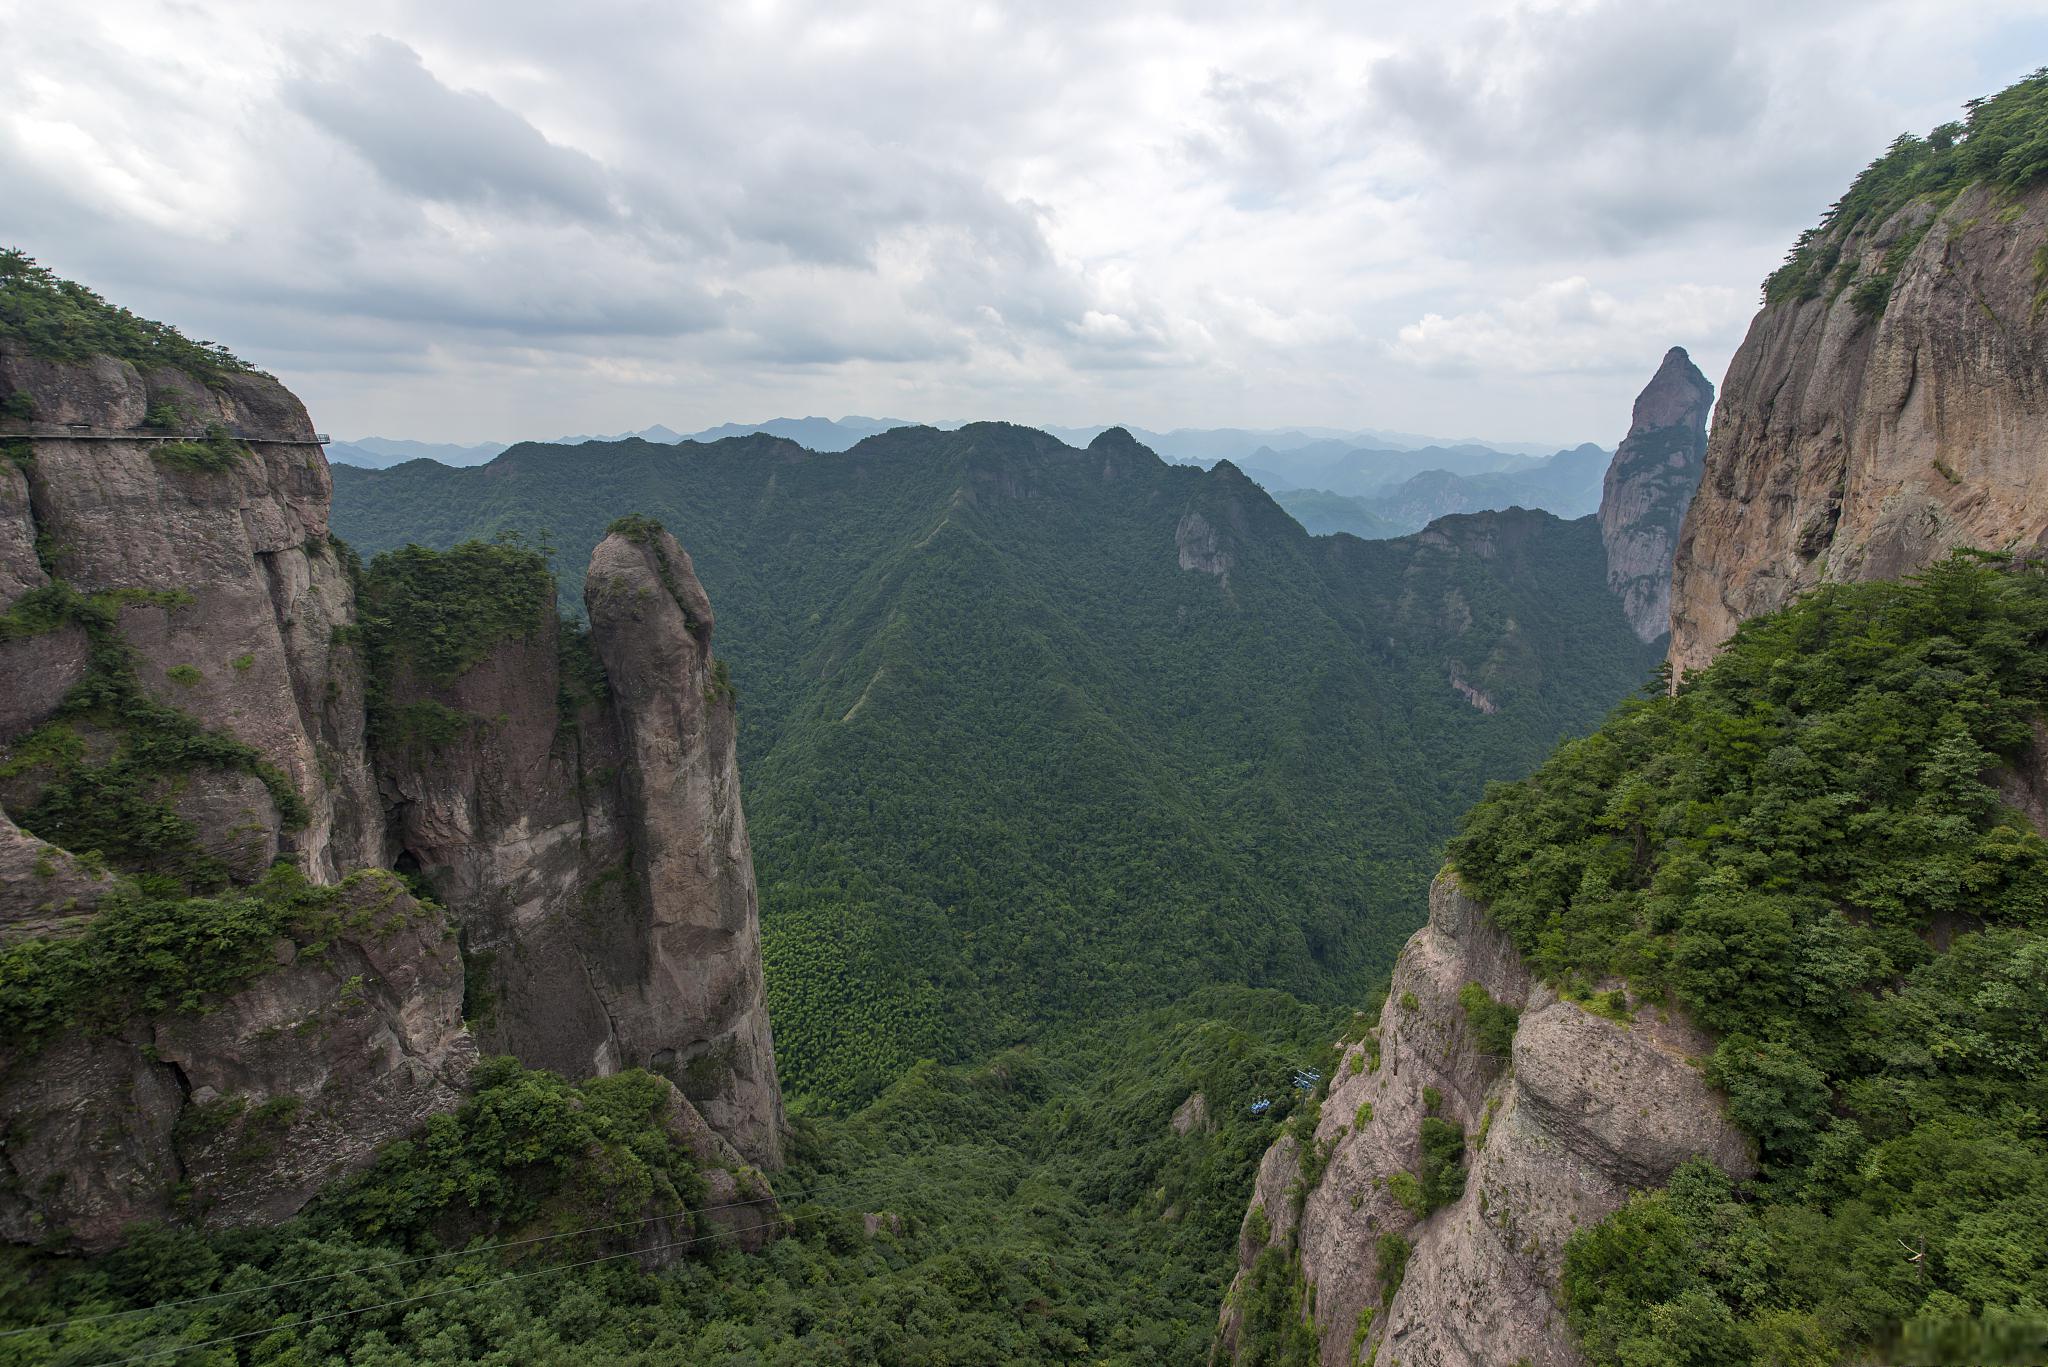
379	453
1567	484
1292	457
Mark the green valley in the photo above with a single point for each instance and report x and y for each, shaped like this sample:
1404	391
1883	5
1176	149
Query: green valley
1033	733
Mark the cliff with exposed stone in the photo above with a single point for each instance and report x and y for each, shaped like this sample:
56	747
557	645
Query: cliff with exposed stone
1862	442
1650	483
251	646
179	635
594	848
1583	1110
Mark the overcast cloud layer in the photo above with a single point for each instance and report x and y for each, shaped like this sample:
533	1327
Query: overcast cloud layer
463	220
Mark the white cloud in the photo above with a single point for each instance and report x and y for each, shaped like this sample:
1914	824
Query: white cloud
1569	325
459	219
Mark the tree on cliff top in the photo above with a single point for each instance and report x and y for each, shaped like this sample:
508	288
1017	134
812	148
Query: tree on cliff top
2002	141
62	320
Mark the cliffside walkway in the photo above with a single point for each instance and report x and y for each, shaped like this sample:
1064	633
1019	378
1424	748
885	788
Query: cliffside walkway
81	431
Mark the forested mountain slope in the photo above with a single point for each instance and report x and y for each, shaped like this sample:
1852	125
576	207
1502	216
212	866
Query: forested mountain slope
1727	1042
1034	732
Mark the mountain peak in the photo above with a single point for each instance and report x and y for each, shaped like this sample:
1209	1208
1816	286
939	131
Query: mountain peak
1649	484
1677	395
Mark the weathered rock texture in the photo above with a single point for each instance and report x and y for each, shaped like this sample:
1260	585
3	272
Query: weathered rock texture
516	825
692	1004
592	854
1584	1111
596	855
1650	482
248	544
293	1080
43	890
1847	447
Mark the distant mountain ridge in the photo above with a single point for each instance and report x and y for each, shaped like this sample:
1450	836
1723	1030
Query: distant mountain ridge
1371	501
1029	728
1202	446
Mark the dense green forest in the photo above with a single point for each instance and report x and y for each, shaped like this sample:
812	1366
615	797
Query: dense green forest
1007	763
1038	1207
64	321
1808	849
2002	141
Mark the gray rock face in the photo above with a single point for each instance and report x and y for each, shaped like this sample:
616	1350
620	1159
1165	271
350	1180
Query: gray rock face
43	890
295	1079
596	864
1199	547
1583	1112
1649	485
248	544
516	824
20	570
690	1001
1852	448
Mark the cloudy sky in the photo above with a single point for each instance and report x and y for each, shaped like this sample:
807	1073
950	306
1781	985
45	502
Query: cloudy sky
470	220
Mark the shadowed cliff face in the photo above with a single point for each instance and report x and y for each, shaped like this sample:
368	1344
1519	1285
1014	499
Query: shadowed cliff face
238	1113
1649	484
594	849
183	696
1855	447
1581	1111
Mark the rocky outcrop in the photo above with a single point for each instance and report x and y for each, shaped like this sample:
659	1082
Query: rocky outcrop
1649	484
238	1114
1582	1111
691	1003
515	823
1853	444
253	649
43	890
594	850
178	630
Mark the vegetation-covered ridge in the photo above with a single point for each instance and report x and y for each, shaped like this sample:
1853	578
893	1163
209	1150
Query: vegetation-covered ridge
1008	764
2002	141
438	613
1038	1208
118	806
62	320
1805	848
435	615
146	954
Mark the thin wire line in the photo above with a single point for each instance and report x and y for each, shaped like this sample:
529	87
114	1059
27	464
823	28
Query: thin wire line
55	1325
450	1291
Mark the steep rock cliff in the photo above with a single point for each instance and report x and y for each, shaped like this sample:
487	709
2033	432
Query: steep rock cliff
238	530
691	1003
185	700
1649	485
1853	444
592	846
236	1114
1582	1111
